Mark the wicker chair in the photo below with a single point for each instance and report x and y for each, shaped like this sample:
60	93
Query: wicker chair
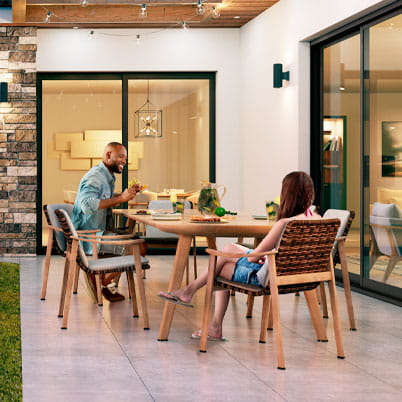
76	259
55	239
339	257
302	261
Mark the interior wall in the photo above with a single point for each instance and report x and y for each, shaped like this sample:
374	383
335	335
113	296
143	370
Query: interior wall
166	50
383	107
178	159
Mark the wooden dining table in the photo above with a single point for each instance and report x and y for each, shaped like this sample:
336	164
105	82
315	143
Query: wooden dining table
242	225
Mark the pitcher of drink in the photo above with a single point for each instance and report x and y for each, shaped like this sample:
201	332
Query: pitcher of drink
209	198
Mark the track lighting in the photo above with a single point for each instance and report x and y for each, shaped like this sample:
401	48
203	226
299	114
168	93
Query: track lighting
143	12
183	24
84	3
200	8
48	16
215	12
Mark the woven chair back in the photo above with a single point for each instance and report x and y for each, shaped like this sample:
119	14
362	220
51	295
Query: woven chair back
306	246
52	220
69	230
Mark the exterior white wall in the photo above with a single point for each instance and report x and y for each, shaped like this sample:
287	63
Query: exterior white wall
276	121
262	132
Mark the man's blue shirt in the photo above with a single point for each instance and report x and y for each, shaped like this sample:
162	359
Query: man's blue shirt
96	185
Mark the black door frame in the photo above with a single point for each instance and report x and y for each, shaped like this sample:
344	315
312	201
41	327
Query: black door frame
123	77
358	26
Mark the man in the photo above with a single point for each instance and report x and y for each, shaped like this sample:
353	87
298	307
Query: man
93	206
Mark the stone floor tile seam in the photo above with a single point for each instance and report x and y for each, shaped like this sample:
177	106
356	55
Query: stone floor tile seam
129	359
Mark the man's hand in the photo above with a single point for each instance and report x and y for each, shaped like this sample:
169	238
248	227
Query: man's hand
129	193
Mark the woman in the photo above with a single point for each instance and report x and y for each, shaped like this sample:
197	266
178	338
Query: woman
297	196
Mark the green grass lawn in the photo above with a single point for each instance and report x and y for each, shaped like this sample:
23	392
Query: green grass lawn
10	333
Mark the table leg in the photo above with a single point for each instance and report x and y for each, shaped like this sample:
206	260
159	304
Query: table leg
211	241
176	278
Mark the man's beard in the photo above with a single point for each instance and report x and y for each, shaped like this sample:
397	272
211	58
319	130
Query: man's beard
115	169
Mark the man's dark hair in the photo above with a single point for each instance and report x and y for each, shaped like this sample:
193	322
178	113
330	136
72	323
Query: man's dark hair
114	144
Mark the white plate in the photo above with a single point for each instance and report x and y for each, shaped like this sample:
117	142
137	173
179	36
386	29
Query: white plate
262	217
210	222
173	217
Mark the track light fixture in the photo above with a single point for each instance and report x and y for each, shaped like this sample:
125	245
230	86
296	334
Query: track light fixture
84	3
215	12
143	12
183	24
48	16
200	8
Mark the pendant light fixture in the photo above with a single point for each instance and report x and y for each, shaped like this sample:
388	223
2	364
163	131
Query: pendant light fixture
148	120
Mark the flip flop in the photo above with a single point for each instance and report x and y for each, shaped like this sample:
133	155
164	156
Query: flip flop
171	298
197	335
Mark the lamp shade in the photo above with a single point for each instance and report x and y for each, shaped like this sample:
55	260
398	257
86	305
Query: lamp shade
4	92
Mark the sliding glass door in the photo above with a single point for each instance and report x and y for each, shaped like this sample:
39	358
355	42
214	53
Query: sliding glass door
357	144
383	151
165	120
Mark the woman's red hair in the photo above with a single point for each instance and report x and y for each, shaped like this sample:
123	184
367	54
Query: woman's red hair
297	194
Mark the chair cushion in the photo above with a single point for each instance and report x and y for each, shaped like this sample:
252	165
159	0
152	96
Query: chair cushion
113	264
342	215
387	233
386	210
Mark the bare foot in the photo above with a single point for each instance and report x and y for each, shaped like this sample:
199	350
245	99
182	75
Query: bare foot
180	294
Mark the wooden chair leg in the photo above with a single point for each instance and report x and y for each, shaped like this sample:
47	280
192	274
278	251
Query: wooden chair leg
250	305
390	267
323	300
275	312
46	265
187	272
277	327
131	287
99	290
64	286
195	258
140	285
207	304
264	318
270	325
335	315
315	313
72	266
346	285
76	277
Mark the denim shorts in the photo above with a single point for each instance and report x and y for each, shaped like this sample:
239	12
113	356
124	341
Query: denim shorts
246	271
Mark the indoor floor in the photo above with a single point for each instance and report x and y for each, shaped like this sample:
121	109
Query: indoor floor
106	355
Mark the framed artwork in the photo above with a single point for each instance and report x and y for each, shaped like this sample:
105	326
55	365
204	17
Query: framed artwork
391	138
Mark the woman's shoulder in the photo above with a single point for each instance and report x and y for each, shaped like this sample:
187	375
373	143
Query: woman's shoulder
304	217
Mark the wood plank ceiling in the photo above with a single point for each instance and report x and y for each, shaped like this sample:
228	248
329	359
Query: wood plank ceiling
127	13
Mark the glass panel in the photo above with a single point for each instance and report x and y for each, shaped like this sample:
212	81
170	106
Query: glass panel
168	135
79	117
383	84
341	137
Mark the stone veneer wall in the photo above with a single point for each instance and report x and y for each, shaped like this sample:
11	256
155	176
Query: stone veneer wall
18	156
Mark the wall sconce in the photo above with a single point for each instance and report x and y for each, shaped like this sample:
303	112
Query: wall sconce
4	92
279	75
